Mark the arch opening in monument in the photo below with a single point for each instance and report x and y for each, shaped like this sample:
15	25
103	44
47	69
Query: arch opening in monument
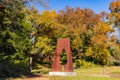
63	59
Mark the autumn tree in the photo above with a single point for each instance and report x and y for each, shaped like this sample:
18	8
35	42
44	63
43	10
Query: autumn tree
114	21
78	27
43	36
98	52
114	16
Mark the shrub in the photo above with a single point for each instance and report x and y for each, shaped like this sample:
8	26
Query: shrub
83	64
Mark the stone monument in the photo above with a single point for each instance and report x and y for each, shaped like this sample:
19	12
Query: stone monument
63	43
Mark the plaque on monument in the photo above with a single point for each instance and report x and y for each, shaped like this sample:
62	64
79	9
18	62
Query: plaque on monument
62	44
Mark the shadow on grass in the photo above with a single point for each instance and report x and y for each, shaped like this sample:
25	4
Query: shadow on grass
9	70
21	76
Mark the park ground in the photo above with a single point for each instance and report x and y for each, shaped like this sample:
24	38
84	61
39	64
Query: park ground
97	73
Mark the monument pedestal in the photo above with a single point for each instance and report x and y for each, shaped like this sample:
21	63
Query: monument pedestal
62	73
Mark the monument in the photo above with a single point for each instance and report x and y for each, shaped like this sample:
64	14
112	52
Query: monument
62	44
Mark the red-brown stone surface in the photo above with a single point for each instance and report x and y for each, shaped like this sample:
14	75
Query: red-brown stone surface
62	44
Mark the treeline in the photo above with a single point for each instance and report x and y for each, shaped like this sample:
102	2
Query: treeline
28	38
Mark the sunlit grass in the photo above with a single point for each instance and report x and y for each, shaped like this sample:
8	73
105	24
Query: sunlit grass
98	73
82	78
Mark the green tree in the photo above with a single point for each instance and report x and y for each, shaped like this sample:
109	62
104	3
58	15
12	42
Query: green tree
14	39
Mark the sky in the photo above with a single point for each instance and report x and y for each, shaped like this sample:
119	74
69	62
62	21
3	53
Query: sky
96	5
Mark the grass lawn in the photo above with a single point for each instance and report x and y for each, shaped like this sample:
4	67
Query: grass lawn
98	73
82	78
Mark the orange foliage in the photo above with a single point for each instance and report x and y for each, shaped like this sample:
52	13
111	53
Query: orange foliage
114	5
100	34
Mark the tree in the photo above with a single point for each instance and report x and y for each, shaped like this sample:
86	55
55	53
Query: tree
78	26
43	35
114	21
14	39
98	52
114	16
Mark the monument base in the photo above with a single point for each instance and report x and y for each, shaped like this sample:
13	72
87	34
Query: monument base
62	73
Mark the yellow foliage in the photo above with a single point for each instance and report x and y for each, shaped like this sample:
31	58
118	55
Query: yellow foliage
42	46
100	34
49	14
76	43
98	53
102	28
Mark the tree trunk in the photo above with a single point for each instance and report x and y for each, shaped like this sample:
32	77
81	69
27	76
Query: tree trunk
30	64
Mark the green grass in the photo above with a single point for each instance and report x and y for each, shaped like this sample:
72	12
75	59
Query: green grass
82	78
40	71
99	73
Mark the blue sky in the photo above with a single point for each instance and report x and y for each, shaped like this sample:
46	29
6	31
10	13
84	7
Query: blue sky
95	5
